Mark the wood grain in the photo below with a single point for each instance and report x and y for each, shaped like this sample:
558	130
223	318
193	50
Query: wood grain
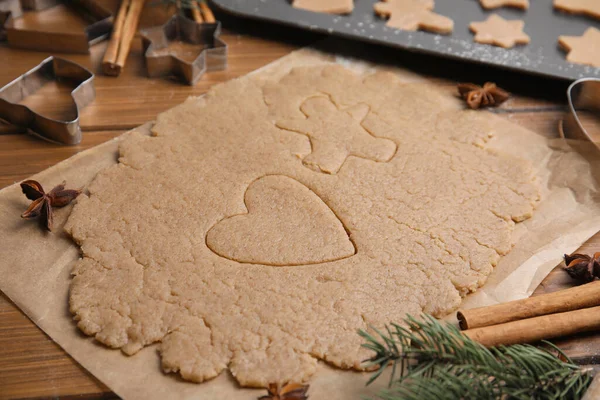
23	155
132	98
31	364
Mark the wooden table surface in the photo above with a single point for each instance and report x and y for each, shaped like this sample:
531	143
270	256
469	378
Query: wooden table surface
31	364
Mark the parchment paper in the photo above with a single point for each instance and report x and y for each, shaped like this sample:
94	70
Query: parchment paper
35	266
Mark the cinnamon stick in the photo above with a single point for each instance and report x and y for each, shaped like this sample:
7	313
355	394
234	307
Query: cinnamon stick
534	329
110	56
575	298
196	14
124	30
209	17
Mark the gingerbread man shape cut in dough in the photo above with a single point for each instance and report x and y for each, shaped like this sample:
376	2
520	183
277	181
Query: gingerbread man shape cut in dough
490	4
590	8
583	49
337	134
411	15
499	32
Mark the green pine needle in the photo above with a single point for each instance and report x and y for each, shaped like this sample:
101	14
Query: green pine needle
430	360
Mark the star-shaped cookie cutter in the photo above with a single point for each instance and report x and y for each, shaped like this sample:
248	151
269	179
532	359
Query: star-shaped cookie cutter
583	94
161	63
52	68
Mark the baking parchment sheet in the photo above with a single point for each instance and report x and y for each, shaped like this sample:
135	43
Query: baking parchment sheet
35	266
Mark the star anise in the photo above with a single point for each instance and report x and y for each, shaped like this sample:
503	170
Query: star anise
291	391
583	267
476	96
44	202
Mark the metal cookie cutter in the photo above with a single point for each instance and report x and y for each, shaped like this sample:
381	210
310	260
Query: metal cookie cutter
38	4
8	9
52	68
583	94
31	38
164	58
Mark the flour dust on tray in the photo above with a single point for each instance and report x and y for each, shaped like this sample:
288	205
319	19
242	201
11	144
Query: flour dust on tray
262	226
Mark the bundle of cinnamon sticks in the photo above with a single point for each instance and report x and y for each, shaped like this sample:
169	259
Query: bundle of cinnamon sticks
201	12
547	316
124	29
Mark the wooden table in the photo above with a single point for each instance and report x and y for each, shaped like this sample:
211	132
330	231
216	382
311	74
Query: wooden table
31	364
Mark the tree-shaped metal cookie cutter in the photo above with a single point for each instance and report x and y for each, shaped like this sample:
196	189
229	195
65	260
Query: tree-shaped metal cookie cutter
583	94
52	68
8	9
161	62
99	25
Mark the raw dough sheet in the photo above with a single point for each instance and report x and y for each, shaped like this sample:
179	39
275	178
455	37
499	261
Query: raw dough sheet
36	266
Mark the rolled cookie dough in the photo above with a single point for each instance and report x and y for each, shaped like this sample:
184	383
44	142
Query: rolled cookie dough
214	238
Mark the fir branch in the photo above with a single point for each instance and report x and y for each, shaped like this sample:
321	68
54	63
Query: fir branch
430	360
447	385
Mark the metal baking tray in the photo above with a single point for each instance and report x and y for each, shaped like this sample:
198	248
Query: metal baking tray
543	24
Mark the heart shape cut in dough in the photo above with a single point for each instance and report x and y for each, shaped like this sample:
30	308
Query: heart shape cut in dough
286	224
